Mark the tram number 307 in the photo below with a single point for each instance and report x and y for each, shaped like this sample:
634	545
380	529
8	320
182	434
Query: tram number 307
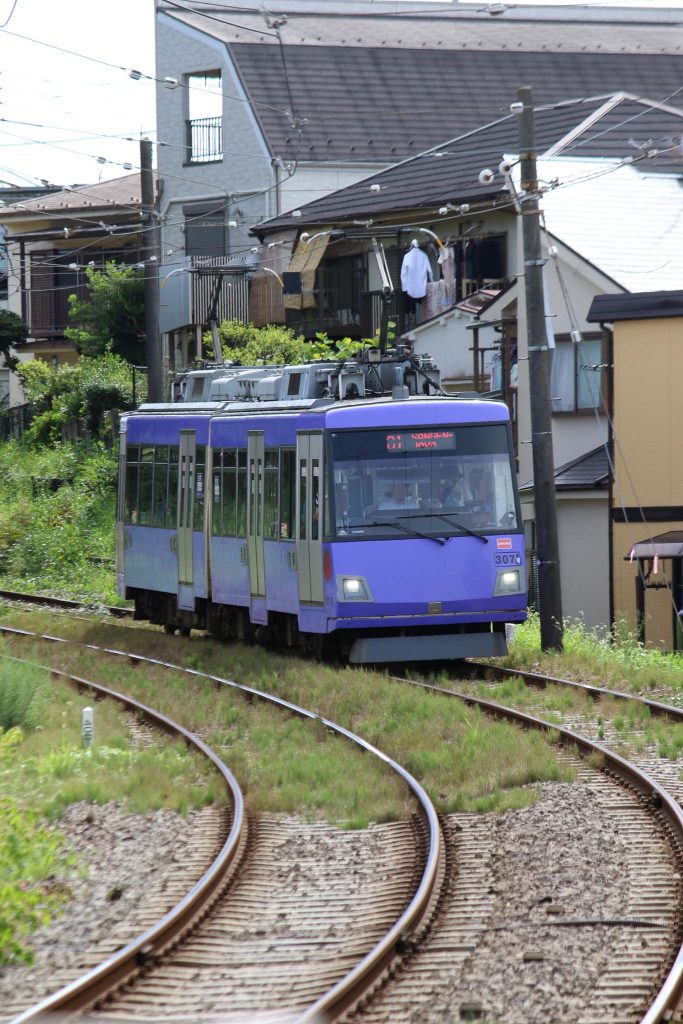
512	558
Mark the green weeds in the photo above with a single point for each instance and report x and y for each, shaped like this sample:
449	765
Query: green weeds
23	692
614	659
466	761
57	520
30	856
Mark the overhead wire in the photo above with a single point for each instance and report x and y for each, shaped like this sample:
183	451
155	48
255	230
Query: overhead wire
9	16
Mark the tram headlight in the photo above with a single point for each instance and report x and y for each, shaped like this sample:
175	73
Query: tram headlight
509	581
353	588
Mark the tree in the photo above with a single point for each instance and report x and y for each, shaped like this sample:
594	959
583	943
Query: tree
81	391
13	332
112	317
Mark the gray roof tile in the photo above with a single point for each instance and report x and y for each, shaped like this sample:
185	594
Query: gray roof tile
635	306
364	104
589	471
103	196
450	171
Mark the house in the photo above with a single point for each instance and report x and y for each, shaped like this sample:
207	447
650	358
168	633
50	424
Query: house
618	154
51	240
9	195
260	112
644	331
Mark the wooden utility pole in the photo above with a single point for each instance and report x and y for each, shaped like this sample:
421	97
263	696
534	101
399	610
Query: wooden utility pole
150	256
547	547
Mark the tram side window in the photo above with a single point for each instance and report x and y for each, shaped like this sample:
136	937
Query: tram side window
146	478
241	492
151	493
315	499
172	503
224	492
303	534
287	492
130	514
199	488
160	487
270	494
216	492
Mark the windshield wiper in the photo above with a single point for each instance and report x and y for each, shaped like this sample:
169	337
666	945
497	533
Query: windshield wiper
408	529
446	516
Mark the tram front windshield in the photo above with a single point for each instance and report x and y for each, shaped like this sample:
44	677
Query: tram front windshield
435	480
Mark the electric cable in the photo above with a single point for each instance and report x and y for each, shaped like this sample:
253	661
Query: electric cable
9	16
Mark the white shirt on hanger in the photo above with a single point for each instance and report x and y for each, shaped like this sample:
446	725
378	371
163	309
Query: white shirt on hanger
416	270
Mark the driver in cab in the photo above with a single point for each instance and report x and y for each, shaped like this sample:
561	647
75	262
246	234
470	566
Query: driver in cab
398	499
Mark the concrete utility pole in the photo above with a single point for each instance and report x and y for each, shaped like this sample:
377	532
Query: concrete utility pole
547	547
151	248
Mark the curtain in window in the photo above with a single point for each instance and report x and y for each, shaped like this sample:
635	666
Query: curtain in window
562	377
588	382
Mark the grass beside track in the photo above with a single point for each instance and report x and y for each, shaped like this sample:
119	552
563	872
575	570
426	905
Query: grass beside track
628	727
464	760
615	660
44	767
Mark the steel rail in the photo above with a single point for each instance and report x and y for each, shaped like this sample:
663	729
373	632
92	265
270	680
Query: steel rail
47	601
119	967
542	681
671	991
357	982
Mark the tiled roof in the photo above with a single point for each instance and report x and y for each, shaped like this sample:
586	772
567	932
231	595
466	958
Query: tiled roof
589	471
635	306
579	28
383	105
450	172
103	196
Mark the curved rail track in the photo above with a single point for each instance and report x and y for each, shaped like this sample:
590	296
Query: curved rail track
347	989
127	962
655	796
374	967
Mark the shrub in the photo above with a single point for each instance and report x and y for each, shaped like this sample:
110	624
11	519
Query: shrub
29	855
22	694
59	538
80	391
251	346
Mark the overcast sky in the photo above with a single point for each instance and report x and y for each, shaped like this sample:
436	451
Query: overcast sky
77	100
73	104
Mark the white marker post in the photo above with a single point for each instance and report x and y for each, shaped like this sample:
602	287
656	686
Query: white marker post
88	727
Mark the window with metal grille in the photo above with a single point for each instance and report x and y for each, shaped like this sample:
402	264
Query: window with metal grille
204	124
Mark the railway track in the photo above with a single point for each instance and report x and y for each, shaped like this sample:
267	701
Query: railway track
239	959
644	978
174	921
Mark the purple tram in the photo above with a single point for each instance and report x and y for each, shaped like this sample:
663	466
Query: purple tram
345	508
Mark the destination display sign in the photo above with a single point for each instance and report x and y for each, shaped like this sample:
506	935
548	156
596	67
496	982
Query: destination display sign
421	440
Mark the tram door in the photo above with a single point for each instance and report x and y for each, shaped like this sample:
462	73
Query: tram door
255	474
121	536
309	510
187	457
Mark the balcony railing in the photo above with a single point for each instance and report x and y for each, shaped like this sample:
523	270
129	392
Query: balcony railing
204	140
233	303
